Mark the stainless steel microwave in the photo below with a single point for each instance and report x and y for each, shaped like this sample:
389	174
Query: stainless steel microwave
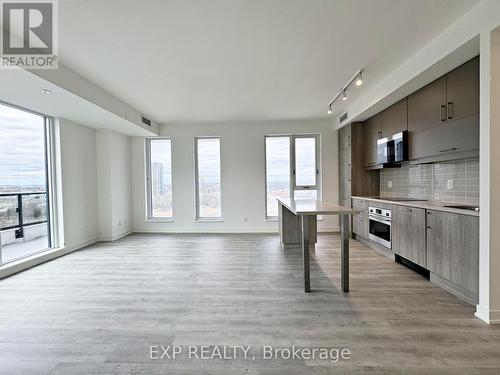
393	150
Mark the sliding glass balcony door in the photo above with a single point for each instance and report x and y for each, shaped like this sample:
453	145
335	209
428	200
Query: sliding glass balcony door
24	193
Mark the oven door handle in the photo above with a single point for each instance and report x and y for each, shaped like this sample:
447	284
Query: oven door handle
379	220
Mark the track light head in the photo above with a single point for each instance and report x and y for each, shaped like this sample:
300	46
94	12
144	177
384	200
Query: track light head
330	110
344	95
359	80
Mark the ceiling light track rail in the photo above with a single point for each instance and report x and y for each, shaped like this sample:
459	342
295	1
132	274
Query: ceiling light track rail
357	79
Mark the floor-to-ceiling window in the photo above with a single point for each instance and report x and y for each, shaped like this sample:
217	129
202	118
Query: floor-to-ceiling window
159	179
292	169
24	188
208	178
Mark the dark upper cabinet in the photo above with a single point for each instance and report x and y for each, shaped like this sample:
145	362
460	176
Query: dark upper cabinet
395	119
442	119
427	107
372	133
463	91
453	138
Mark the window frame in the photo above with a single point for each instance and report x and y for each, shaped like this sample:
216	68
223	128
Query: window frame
55	233
293	185
149	188
197	217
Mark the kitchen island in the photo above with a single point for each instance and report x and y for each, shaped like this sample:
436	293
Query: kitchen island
298	228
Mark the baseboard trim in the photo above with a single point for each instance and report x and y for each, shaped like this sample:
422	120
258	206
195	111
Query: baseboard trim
37	259
228	231
115	237
486	315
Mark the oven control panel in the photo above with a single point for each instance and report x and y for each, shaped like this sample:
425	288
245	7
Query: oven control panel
380	211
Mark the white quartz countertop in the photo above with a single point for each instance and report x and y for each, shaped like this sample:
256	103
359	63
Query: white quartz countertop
315	207
428	205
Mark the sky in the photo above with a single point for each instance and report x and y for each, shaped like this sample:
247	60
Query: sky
278	160
209	160
22	148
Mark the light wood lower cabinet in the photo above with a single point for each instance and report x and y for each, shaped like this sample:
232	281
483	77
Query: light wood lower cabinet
408	234
360	221
446	244
453	250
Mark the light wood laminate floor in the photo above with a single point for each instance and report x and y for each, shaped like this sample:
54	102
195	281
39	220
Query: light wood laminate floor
98	310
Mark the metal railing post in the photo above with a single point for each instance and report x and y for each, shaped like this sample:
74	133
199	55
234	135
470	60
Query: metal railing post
20	231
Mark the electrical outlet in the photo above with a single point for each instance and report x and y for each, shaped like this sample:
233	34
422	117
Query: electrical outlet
449	184
245	219
389	184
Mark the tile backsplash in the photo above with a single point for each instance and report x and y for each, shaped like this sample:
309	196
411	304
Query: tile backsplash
455	181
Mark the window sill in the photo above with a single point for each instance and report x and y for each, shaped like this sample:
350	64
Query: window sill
202	220
19	265
160	220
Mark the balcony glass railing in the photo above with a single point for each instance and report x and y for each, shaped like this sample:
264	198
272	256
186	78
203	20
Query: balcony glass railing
23	224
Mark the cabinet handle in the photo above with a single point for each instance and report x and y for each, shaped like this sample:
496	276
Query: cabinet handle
448	149
443	113
450	110
428	227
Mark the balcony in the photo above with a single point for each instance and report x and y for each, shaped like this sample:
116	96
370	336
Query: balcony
23	225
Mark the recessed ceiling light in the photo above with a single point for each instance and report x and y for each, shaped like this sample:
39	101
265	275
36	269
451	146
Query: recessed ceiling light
46	91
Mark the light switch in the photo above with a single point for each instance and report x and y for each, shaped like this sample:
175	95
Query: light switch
449	184
389	184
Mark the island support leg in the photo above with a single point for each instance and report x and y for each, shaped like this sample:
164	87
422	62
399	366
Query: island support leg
305	252
344	253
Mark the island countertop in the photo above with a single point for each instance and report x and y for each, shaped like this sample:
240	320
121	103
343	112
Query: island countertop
315	207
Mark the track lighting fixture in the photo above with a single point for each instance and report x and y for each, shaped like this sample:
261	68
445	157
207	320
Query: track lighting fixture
356	79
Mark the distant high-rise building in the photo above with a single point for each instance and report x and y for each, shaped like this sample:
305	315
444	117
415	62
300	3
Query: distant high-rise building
157	178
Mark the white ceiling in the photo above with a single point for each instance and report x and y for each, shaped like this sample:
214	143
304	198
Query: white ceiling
235	60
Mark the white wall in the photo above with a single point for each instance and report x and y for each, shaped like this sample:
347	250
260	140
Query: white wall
489	261
114	185
243	175
495	176
78	183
